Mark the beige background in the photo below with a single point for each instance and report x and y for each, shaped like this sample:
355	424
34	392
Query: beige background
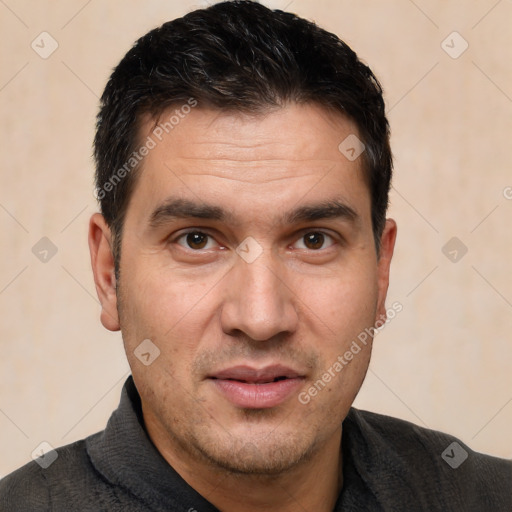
444	361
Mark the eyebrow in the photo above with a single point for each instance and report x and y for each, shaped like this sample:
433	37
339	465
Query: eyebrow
177	208
173	209
334	209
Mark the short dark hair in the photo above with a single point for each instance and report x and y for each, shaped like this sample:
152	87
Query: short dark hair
235	56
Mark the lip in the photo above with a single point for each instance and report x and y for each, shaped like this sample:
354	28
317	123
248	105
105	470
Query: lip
252	388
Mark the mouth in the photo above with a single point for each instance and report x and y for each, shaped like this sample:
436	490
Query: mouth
258	381
250	388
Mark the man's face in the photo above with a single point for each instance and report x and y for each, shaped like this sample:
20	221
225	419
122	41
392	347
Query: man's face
251	301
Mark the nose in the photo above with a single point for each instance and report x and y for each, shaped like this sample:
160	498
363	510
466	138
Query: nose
258	300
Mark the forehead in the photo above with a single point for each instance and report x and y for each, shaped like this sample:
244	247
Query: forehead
292	132
249	160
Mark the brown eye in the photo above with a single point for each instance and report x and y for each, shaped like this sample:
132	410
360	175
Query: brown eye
314	240
197	240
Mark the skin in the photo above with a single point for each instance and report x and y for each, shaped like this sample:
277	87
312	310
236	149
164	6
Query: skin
206	308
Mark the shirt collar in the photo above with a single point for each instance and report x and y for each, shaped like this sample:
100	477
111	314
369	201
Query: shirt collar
124	454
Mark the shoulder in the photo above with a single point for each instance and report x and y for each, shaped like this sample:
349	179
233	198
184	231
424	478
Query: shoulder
24	489
409	439
36	485
424	458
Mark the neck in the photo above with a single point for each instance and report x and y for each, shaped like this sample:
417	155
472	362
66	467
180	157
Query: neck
314	484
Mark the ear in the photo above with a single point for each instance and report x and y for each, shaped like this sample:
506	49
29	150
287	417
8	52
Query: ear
102	261
387	245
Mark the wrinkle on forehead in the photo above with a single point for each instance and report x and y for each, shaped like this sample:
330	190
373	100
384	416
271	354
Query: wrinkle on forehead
290	133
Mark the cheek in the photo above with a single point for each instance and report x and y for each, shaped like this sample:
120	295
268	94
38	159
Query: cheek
148	296
344	302
159	305
337	311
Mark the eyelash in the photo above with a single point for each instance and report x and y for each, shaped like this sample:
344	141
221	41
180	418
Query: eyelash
304	233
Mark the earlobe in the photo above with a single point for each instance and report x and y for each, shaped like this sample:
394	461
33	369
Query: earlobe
387	245
102	262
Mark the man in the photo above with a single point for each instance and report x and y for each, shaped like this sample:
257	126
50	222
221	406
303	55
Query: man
243	170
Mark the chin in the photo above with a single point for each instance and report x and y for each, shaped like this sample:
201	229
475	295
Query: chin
268	454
